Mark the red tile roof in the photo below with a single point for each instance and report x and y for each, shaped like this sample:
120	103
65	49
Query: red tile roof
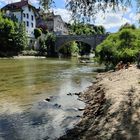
17	5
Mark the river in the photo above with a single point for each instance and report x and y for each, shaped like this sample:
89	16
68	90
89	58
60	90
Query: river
24	86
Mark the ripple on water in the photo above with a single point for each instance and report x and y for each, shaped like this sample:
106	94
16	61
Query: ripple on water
25	84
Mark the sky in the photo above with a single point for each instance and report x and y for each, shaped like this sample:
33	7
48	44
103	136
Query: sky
111	21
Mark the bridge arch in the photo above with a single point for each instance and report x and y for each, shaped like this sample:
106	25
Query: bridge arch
92	40
66	42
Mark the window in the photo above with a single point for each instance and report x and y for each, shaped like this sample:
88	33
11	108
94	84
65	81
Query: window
27	15
32	17
32	25
27	23
29	8
24	15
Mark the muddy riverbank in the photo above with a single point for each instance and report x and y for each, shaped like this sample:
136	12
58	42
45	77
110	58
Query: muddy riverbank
112	109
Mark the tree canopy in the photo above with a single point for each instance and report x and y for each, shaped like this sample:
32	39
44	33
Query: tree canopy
46	4
85	29
13	37
87	9
122	46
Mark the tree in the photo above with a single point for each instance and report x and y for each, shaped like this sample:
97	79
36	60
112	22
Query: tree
50	44
85	29
20	38
70	49
127	26
37	33
42	50
46	4
12	37
84	10
122	46
87	9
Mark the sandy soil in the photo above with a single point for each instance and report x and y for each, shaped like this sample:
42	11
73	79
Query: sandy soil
113	108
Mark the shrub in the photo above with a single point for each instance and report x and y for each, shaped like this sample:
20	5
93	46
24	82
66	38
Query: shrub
122	46
37	33
12	37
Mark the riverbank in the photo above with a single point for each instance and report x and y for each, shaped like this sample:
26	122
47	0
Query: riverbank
112	108
27	57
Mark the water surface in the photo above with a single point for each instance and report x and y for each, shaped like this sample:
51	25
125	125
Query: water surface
24	86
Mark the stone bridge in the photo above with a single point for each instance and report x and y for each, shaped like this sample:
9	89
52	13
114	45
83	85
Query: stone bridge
92	40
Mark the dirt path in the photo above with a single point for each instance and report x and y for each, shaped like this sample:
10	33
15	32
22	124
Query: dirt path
113	108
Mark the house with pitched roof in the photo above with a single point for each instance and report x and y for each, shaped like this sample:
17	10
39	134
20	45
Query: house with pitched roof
52	23
24	12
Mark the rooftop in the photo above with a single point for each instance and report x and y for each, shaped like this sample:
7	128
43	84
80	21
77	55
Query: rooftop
18	5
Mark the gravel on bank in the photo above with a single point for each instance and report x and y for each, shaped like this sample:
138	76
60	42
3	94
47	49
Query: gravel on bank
112	108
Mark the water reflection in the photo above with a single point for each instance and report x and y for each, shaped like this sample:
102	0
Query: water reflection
24	114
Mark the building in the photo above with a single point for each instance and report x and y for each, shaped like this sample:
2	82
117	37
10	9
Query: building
53	23
24	12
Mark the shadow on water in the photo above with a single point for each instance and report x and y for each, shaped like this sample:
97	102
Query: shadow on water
44	121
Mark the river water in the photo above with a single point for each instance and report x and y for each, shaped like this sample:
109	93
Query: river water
24	86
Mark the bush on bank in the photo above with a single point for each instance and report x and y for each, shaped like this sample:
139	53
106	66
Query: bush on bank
12	37
122	46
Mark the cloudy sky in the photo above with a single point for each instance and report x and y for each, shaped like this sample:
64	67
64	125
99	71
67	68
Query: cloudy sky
111	21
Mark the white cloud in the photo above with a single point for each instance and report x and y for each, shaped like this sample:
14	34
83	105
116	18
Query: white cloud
109	20
113	20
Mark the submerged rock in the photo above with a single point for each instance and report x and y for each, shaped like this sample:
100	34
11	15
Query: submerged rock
57	105
48	99
78	94
69	94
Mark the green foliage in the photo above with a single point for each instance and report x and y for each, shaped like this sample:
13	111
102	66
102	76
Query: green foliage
85	29
20	38
42	51
29	53
46	4
86	10
74	48
69	49
122	46
46	45
127	26
12	37
37	33
50	44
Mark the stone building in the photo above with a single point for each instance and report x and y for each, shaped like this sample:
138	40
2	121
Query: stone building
53	23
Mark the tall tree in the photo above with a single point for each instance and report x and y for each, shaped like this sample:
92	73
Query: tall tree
46	4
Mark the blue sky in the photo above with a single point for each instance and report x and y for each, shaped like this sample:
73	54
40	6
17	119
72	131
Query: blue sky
111	21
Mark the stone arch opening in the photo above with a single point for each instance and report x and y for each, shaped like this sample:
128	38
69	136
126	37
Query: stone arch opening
91	40
76	47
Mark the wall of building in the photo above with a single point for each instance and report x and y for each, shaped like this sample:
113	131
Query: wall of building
29	19
59	26
18	15
50	25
